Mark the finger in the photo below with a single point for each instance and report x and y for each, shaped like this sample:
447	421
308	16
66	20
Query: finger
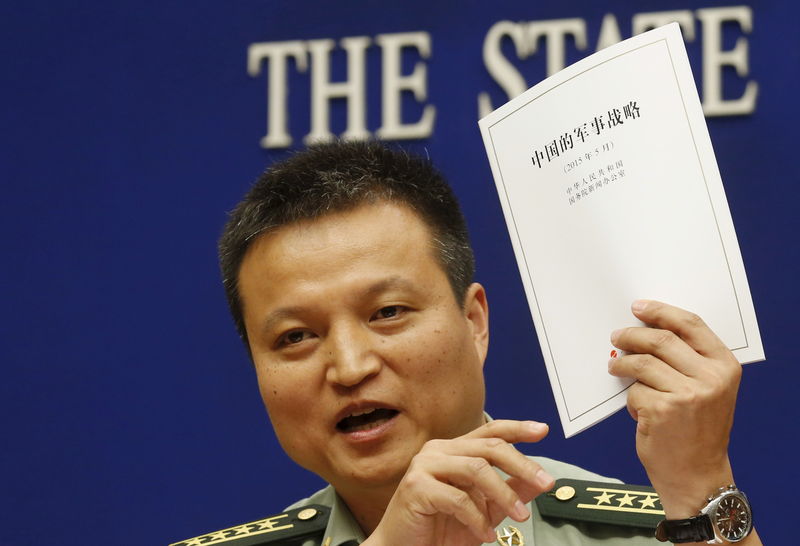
511	431
497	514
442	498
476	476
505	457
689	326
662	344
649	370
526	492
494	511
638	395
498	453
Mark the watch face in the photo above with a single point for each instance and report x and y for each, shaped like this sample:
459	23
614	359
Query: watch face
733	517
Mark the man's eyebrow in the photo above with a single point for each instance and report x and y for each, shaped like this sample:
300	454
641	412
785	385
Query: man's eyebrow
392	283
280	314
374	289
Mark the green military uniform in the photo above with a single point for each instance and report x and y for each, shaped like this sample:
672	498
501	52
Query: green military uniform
342	529
588	514
582	509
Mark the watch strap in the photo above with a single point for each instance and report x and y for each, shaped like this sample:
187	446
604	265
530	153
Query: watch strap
678	531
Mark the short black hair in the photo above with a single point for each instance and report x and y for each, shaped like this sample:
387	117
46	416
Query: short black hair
335	177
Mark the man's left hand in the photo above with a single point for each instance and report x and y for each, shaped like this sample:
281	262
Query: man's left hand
683	402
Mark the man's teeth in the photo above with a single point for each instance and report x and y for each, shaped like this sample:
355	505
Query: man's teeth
364	412
368	426
365	419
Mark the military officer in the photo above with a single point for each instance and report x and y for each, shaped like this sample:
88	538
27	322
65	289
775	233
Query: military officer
348	272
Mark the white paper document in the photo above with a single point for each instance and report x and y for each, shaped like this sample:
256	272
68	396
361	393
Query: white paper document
611	193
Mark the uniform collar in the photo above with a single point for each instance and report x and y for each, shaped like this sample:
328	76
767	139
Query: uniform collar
342	529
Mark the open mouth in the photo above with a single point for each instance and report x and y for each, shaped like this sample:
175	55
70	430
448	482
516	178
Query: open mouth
365	420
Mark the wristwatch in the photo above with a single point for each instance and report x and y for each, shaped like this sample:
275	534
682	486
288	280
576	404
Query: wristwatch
725	519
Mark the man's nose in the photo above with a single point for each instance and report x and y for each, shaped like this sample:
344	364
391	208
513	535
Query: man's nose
351	355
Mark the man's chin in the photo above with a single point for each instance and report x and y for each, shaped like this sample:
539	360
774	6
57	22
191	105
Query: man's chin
371	472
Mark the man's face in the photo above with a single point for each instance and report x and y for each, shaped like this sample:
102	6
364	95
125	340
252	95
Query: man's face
361	350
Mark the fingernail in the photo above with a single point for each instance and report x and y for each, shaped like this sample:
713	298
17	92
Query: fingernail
521	511
615	334
638	306
544	480
536	427
490	535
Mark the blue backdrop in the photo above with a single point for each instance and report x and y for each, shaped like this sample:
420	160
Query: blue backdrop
130	414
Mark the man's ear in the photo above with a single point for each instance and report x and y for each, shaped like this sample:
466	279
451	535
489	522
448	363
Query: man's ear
476	311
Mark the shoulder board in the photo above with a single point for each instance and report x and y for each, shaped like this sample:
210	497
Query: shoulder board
286	528
602	502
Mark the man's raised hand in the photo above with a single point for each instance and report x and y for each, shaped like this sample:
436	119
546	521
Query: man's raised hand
452	495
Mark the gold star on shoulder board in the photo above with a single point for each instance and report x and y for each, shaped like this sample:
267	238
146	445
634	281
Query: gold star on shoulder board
605	498
648	502
627	500
218	535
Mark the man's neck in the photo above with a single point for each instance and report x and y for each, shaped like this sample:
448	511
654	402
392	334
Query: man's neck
368	506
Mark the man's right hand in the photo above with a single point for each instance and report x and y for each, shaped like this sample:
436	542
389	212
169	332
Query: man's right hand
452	496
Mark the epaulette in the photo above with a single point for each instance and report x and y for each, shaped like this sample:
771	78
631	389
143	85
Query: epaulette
290	527
602	502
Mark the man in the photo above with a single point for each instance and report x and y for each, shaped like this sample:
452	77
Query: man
348	271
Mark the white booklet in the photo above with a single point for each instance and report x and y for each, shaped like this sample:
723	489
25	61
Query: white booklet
611	193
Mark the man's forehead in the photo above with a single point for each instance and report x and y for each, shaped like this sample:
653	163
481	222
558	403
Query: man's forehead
339	239
373	213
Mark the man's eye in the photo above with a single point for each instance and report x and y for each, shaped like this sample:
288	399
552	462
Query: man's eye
390	311
294	337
